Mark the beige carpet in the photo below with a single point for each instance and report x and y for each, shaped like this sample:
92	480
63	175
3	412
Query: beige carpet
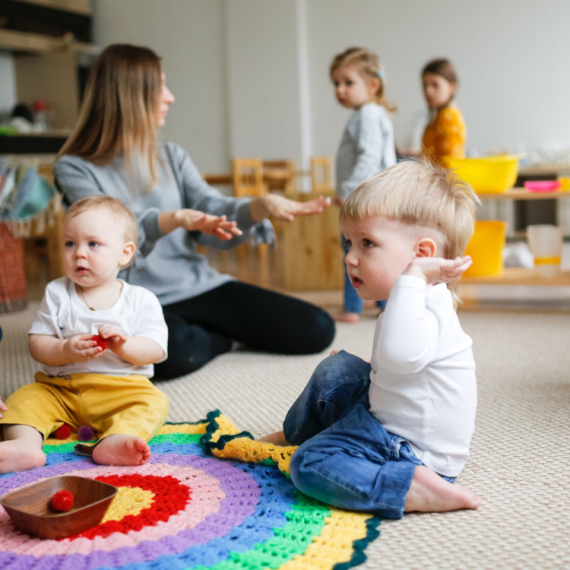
520	462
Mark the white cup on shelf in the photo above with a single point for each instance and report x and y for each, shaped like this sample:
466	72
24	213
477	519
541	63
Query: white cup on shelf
545	243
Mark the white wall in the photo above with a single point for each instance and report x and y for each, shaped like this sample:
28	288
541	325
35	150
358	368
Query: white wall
188	35
267	100
232	66
511	57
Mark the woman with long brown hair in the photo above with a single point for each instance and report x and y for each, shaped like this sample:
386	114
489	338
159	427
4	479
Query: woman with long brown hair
114	150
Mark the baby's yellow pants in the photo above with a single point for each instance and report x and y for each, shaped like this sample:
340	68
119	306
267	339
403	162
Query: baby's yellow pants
109	404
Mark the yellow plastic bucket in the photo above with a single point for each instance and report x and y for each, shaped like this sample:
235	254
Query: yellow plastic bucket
486	249
487	175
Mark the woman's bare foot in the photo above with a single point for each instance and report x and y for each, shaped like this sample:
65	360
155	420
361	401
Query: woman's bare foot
14	457
122	449
429	493
346	317
277	438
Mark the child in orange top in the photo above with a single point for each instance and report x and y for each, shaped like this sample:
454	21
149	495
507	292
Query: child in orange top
445	133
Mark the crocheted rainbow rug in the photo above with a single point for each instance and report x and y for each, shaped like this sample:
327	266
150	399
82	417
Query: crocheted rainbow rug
189	509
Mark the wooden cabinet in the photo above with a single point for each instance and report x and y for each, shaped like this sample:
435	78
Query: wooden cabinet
314	259
50	43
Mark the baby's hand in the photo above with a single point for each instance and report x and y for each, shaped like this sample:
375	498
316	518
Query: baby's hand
193	220
437	269
114	336
3	407
81	348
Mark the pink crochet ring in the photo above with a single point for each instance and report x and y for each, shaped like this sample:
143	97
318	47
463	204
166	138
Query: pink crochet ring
85	433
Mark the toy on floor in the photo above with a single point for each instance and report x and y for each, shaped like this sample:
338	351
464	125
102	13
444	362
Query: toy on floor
85	433
62	432
62	501
53	507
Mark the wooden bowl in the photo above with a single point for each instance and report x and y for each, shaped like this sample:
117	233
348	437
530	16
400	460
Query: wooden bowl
31	511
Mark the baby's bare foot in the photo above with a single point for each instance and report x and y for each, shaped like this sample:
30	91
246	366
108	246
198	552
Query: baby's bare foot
430	493
346	317
14	457
122	449
277	438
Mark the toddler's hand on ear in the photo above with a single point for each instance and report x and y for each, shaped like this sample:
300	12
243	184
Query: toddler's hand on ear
437	269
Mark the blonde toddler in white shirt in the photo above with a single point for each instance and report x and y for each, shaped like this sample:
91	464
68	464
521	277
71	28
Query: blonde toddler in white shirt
391	436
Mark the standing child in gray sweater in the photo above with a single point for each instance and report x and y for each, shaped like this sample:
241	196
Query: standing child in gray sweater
367	145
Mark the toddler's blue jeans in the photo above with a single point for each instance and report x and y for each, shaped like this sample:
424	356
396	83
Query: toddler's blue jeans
352	302
346	458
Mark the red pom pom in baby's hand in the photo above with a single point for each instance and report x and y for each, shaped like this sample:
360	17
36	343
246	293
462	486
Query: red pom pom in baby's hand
62	432
62	501
102	342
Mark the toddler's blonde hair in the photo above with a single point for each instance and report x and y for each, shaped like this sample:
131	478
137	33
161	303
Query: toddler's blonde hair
116	207
367	63
418	193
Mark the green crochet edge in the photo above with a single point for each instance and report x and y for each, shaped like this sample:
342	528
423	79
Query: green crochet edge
372	524
213	426
358	556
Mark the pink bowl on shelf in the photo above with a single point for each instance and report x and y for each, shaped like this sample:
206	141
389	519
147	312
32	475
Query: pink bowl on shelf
542	185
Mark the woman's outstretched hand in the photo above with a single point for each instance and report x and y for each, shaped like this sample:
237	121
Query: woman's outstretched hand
281	208
196	221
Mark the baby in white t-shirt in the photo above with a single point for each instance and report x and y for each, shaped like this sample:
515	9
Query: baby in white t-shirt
391	435
98	338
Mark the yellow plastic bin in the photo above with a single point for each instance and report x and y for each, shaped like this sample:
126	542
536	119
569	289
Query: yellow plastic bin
486	249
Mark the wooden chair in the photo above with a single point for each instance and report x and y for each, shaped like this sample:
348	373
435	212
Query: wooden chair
248	177
280	175
248	181
321	174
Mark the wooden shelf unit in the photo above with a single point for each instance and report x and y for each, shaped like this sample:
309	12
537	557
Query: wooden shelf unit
522	275
523	194
77	6
49	67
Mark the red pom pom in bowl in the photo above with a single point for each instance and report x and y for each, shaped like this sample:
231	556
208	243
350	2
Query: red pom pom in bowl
62	501
102	342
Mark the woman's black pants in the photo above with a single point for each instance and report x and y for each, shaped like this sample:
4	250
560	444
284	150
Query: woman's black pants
205	326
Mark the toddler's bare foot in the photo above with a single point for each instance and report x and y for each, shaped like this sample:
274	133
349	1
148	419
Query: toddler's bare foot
277	438
122	449
346	317
429	493
14	457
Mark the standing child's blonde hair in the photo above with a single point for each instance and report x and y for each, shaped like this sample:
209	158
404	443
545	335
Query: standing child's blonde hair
367	63
418	193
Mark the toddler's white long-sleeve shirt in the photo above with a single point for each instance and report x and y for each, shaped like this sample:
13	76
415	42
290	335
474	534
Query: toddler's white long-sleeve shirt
423	385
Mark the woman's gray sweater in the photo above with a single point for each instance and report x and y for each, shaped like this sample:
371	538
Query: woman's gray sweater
168	265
